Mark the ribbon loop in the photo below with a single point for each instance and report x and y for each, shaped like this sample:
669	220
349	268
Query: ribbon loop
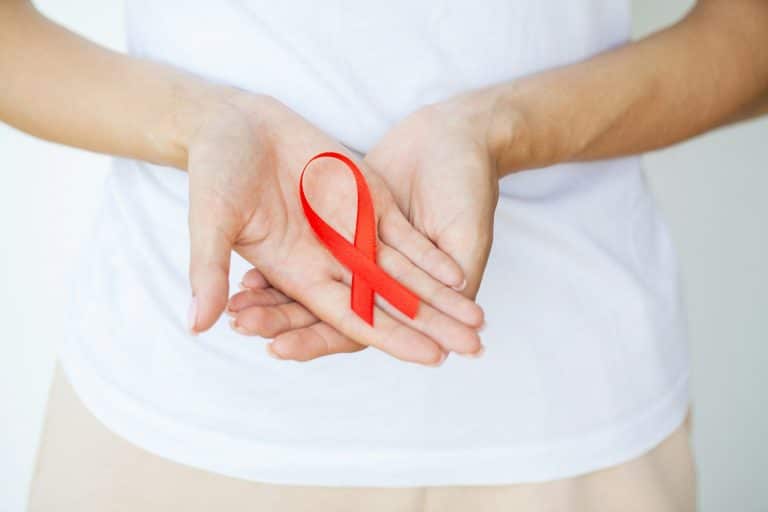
360	257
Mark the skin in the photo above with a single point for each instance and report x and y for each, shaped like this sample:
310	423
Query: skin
244	167
706	71
426	148
243	153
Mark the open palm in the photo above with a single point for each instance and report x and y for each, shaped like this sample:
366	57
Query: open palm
439	169
244	169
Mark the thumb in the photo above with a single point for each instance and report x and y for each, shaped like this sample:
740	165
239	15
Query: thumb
210	253
470	247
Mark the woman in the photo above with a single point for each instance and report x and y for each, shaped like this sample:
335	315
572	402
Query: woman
581	399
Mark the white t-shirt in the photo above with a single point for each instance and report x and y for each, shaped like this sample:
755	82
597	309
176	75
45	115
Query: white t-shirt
586	362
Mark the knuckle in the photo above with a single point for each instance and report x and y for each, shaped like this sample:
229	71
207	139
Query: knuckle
403	270
436	260
326	347
393	332
431	321
278	323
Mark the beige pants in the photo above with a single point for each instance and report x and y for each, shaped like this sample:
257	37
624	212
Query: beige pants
82	466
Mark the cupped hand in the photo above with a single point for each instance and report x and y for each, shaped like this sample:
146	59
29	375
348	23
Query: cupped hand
244	166
438	163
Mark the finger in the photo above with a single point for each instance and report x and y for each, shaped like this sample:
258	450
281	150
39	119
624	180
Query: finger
396	231
210	253
438	314
301	339
269	321
253	279
444	299
328	299
471	255
450	334
256	297
443	328
311	342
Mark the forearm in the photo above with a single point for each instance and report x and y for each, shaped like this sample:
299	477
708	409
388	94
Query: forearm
754	109
709	69
61	87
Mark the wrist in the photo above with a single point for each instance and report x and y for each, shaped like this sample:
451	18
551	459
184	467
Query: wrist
499	124
475	116
528	128
508	133
196	103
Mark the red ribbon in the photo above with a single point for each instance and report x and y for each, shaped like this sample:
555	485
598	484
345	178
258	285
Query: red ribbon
359	258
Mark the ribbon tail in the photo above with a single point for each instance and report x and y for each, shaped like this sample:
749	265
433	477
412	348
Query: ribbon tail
403	299
361	299
361	294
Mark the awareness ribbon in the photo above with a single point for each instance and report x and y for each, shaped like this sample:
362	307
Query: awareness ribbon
360	257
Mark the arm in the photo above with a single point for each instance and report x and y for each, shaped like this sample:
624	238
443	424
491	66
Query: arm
706	71
63	88
754	109
243	153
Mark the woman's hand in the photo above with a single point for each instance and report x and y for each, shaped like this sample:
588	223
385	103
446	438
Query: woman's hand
439	165
244	166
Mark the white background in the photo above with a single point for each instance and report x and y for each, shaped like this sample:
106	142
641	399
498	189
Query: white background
712	191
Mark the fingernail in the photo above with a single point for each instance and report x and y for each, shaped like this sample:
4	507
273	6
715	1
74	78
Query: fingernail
461	286
192	316
235	327
476	354
270	352
242	286
440	361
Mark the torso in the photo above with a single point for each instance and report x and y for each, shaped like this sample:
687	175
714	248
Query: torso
586	363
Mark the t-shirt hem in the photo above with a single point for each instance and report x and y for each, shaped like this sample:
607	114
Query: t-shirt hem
315	464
